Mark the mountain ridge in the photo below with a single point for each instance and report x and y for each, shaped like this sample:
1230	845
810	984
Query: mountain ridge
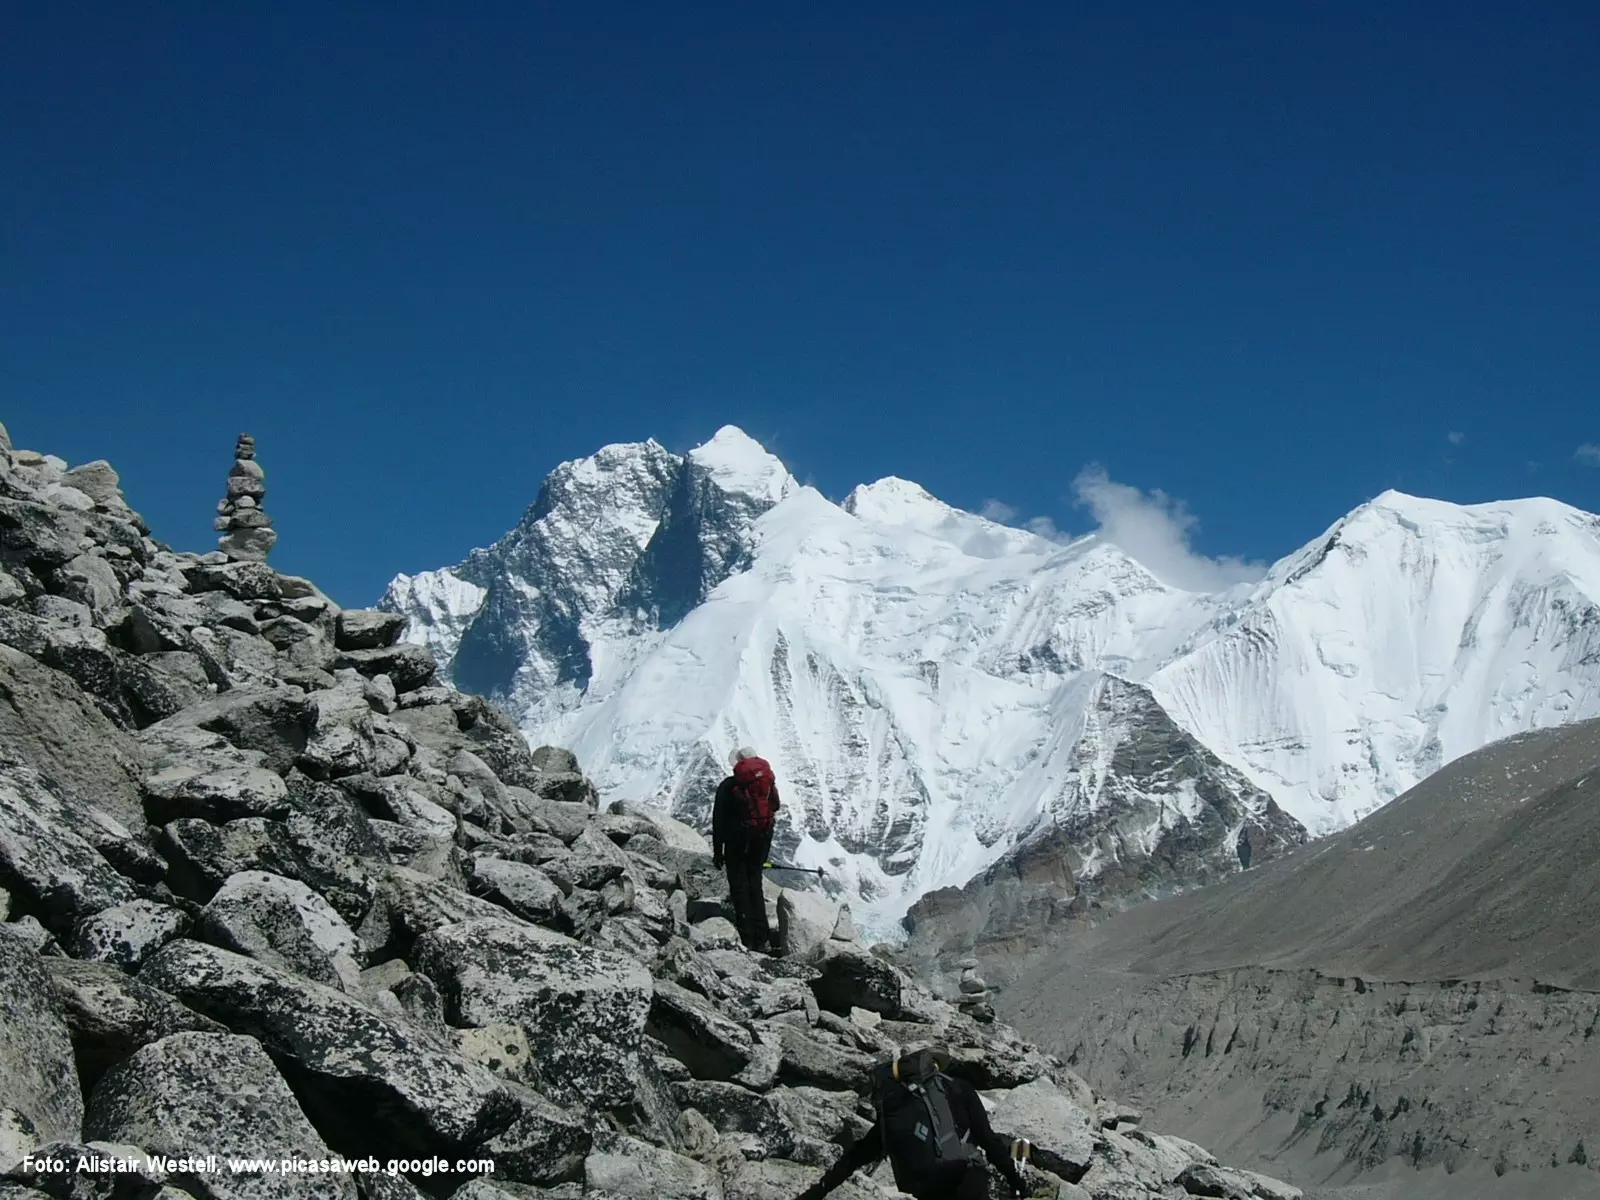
920	674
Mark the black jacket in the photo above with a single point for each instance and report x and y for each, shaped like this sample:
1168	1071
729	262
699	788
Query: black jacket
726	830
972	1119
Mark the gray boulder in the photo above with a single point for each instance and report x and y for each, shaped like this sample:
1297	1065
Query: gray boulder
282	922
851	976
623	1166
1063	1134
353	1069
218	796
274	721
127	934
522	889
408	666
806	920
202	1093
61	876
409	904
583	1009
98	481
710	1044
110	1014
38	1084
368	629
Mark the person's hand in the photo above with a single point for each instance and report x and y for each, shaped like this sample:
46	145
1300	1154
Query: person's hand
716	861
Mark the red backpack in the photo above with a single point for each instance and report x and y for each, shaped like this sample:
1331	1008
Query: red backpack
756	786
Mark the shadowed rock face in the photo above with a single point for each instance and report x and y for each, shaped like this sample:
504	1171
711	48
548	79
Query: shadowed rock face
1160	815
1417	995
324	906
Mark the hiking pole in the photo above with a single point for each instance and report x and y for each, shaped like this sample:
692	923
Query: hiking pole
772	866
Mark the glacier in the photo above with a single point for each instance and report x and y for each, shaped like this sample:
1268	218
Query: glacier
934	687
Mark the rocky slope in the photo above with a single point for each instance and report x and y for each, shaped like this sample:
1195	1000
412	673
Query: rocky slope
950	697
1408	1008
271	893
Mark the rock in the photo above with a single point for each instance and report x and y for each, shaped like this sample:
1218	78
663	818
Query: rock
202	1093
110	1015
715	933
37	1079
241	580
161	685
61	876
1062	1134
380	694
98	481
809	1061
502	1047
524	890
621	1166
553	760
1113	1114
217	796
408	904
275	721
805	921
583	1009
844	929
90	581
127	934
1203	1180
852	977
368	629
407	666
356	1070
709	1044
282	922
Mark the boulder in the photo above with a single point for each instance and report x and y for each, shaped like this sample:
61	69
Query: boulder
1062	1134
98	481
710	1044
205	1093
218	796
274	721
283	922
522	889
805	921
583	1009
110	1014
61	876
622	1166
368	629
368	1075
853	977
127	934
810	1061
409	904
407	665
37	1079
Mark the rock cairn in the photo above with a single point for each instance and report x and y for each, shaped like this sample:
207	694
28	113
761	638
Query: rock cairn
247	533
974	1001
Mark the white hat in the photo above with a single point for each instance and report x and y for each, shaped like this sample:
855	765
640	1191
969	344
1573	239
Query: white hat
739	755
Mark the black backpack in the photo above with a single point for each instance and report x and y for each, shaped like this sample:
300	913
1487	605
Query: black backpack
912	1097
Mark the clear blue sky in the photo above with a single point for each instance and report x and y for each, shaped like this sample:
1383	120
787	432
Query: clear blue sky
1267	257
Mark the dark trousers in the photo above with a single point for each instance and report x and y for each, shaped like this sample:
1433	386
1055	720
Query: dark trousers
974	1185
743	861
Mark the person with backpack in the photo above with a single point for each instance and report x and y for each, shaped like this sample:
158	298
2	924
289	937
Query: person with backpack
932	1127
742	820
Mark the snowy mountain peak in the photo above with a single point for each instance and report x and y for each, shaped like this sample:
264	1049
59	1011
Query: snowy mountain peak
739	464
930	684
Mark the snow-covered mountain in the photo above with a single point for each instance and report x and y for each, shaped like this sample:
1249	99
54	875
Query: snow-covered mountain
933	686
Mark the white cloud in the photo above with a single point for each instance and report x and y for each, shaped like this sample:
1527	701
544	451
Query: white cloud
1455	437
1154	529
1046	528
1589	454
998	510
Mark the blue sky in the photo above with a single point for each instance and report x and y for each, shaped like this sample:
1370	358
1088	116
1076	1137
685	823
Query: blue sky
1269	258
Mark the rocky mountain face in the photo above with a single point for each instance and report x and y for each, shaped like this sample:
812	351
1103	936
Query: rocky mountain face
1408	1008
280	914
943	694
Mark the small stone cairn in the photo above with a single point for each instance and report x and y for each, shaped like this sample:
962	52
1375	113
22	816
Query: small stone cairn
247	533
974	1001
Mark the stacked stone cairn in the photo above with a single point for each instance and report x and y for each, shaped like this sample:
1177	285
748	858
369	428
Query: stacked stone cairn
247	533
974	1001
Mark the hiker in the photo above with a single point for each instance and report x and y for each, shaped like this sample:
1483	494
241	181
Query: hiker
931	1126
742	821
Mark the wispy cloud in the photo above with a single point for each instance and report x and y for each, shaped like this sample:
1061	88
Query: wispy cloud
998	510
1046	528
1589	454
1455	437
1155	529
